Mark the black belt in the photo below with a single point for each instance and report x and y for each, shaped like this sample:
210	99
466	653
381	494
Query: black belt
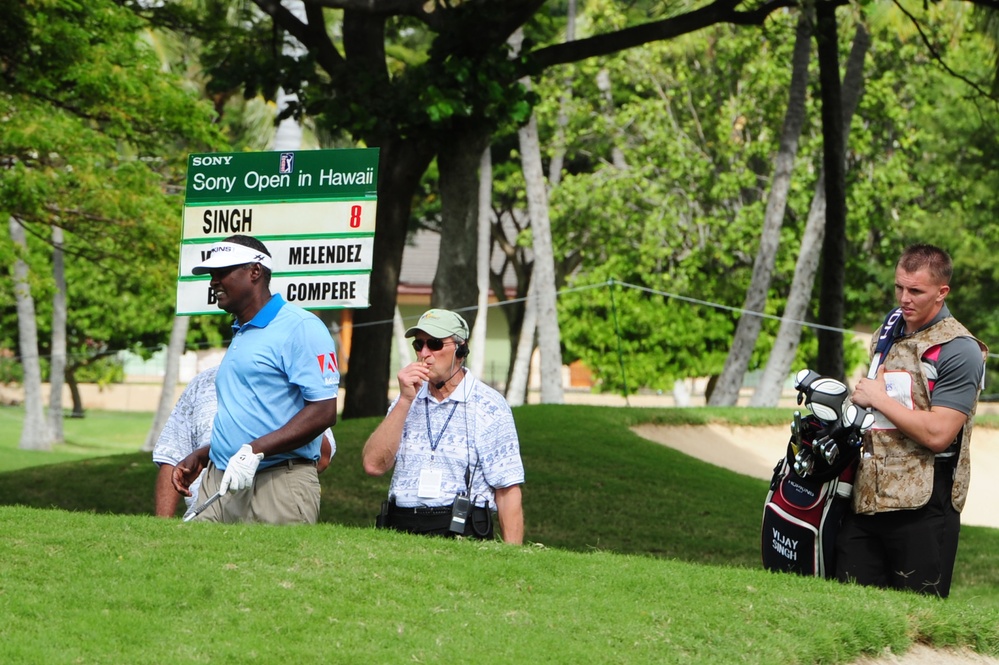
288	463
435	520
436	510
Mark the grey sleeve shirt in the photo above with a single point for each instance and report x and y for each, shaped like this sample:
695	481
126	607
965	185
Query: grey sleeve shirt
956	372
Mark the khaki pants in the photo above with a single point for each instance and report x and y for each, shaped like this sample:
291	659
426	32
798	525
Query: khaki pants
281	494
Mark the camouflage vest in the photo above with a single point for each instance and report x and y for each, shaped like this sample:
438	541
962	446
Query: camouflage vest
896	473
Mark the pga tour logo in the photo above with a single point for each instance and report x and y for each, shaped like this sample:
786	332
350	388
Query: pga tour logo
287	164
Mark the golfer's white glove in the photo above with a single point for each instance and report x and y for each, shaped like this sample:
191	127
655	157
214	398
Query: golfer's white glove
241	469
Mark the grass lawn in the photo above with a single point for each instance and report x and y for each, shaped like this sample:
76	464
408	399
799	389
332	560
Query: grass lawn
637	554
99	433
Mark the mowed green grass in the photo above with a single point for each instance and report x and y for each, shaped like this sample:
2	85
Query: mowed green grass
636	554
98	433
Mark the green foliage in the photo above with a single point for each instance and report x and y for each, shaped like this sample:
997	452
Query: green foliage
695	123
652	339
425	86
85	59
11	371
925	167
93	140
463	87
102	371
98	134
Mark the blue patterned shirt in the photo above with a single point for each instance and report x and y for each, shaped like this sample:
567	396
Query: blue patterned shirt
471	429
189	426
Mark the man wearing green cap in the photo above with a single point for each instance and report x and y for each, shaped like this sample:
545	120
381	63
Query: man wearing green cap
452	443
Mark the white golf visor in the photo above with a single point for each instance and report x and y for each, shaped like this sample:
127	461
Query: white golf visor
226	254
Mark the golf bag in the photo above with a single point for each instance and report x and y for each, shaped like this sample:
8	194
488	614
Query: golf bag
811	486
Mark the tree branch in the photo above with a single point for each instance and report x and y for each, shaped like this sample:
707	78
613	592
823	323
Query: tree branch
326	54
413	8
989	4
80	214
86	254
519	13
721	11
936	55
364	45
437	17
314	37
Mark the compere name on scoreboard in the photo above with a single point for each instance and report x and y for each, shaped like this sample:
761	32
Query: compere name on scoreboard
310	291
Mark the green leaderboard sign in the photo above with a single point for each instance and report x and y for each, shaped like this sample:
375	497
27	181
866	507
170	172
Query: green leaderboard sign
314	209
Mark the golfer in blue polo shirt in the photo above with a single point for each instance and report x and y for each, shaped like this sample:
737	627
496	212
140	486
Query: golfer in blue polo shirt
277	388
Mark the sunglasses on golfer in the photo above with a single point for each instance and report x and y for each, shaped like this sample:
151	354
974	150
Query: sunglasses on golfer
432	343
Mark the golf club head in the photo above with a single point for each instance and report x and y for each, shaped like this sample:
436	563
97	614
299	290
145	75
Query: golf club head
857	419
802	380
824	398
803	463
829	450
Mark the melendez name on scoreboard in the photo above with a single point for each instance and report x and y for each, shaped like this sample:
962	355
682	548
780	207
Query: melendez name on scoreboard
314	209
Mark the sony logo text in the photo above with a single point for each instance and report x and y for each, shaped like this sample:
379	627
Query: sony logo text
213	160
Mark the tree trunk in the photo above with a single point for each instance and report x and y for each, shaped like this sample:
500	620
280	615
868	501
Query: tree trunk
543	277
831	301
541	312
401	164
171	375
514	309
603	81
558	154
34	433
520	373
57	365
786	345
288	135
74	392
477	362
726	391
402	346
455	283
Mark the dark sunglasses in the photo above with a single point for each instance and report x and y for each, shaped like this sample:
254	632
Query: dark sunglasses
432	343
